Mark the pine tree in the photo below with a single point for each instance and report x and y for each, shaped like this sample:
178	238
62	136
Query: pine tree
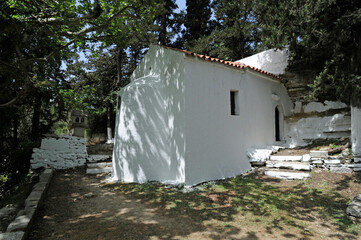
324	36
197	20
236	35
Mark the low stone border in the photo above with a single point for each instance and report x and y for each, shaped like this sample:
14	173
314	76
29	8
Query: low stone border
18	228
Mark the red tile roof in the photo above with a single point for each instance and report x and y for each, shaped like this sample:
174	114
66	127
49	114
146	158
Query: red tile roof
228	63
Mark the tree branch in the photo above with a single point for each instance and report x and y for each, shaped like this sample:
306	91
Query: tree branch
46	58
101	27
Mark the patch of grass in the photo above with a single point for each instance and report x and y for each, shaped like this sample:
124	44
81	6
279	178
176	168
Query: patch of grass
261	203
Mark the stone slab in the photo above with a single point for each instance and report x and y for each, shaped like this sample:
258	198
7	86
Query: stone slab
332	161
287	175
100	165
357	165
98	158
285	158
357	160
12	236
98	170
318	154
340	169
306	158
357	169
298	166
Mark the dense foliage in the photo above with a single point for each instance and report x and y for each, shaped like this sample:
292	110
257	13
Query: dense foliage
324	37
36	37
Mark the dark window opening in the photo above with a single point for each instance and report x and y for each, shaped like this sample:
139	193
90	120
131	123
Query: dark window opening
82	120
234	105
119	102
277	122
77	120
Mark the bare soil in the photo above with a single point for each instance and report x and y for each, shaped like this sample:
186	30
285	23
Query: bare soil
82	207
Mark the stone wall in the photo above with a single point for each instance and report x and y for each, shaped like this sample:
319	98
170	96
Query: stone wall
317	121
60	153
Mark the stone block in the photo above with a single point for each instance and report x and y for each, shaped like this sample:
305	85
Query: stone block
99	165
335	161
98	170
285	158
40	186
354	208
357	165
357	169
306	158
98	158
341	169
31	204
12	236
27	211
19	224
319	154
35	196
287	175
298	107
357	160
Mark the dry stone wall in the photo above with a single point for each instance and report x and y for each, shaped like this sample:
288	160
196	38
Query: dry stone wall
60	153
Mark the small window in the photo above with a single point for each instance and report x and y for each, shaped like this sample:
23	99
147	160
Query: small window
82	120
77	120
234	102
277	125
119	102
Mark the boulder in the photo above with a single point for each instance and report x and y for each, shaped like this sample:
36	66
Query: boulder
354	208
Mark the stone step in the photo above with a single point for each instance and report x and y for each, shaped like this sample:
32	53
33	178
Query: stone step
98	170
298	166
99	165
98	158
289	175
286	158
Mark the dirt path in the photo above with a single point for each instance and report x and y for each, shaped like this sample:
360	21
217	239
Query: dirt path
80	207
87	209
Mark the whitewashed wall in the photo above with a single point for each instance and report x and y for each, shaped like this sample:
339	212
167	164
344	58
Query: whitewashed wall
149	135
216	141
273	60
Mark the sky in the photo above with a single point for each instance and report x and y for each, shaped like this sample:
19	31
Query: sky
181	4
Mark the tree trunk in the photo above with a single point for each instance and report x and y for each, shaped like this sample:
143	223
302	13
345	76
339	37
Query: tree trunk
119	66
109	122
356	127
36	117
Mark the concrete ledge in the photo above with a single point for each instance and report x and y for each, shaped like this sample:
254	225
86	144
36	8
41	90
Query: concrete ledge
19	228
